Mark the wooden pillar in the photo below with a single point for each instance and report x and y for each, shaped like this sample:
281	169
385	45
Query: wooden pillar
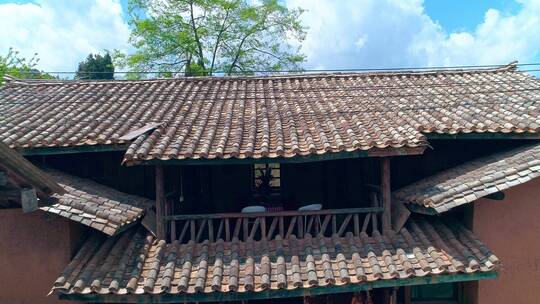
160	201
385	195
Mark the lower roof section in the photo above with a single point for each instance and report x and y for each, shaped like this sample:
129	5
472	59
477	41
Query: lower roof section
95	205
134	266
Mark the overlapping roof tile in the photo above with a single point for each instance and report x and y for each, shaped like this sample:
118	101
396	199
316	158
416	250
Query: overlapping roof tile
95	205
272	116
135	263
473	180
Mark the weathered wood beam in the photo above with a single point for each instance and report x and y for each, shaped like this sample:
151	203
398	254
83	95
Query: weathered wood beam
3	178
386	195
160	201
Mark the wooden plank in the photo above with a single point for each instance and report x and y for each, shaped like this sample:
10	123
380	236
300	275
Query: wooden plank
334	224
140	131
386	195
149	221
29	200
310	224
400	215
160	201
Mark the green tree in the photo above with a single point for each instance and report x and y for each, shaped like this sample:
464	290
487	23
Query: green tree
14	65
96	66
202	37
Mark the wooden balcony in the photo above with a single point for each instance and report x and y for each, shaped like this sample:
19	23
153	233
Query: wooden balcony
269	225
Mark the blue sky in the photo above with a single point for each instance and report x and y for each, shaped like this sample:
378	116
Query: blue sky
342	34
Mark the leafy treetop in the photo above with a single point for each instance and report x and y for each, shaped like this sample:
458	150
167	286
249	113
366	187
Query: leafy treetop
96	66
14	65
204	37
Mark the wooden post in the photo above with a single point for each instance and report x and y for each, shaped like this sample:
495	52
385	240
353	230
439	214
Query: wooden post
385	195
160	201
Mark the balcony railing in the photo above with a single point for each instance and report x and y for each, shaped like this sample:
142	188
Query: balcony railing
268	225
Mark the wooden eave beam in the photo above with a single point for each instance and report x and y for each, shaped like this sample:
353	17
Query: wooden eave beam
72	150
276	294
484	135
290	160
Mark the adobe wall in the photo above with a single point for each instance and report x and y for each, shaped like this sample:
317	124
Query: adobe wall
511	229
34	249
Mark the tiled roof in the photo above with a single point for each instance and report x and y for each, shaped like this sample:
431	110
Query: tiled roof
26	174
222	117
95	205
473	180
134	262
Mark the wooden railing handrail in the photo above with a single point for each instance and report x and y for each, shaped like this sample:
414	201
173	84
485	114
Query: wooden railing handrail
274	214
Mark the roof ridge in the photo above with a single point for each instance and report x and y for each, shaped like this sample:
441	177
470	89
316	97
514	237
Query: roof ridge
510	67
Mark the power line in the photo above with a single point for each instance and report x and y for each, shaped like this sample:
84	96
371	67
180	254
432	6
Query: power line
390	69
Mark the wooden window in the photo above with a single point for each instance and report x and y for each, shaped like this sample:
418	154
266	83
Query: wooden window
446	293
267	177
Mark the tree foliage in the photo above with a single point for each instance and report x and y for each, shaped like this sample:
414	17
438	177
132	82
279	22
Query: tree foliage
14	65
96	66
204	37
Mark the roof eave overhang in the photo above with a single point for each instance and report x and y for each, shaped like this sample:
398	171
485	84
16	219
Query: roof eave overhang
483	135
72	149
375	152
274	294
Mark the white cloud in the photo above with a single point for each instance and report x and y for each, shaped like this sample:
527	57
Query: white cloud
402	34
63	33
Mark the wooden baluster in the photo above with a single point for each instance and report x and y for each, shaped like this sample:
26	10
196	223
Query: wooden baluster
254	228
325	223
193	229
300	226
310	224
246	228
236	231
291	227
272	228
344	224
201	230
211	230
219	230
356	225
366	222
184	230
173	229
334	224
227	231
374	221
263	228
281	227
